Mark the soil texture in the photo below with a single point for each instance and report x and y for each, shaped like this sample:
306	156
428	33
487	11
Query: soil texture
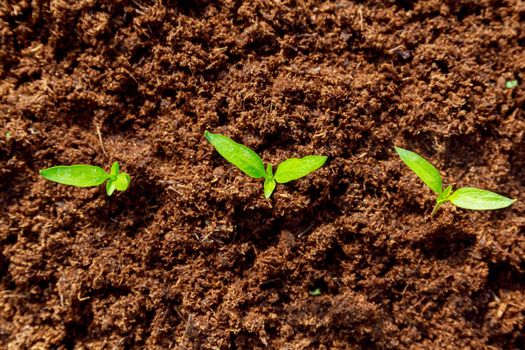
192	256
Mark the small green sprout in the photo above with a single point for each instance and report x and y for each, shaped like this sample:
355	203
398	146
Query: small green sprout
315	292
81	175
511	84
466	197
252	165
8	135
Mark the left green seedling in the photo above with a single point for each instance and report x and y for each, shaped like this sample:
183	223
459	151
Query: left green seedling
81	175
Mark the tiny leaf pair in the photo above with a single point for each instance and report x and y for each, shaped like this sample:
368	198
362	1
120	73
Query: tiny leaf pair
252	165
466	197
81	175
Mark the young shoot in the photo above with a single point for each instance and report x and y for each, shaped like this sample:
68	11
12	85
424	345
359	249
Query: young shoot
252	165
511	84
81	175
315	292
466	197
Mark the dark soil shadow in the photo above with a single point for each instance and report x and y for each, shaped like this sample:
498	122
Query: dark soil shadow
517	162
463	150
447	243
132	210
504	275
423	144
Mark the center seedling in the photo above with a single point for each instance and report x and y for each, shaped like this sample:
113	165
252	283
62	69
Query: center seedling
466	197
252	165
81	175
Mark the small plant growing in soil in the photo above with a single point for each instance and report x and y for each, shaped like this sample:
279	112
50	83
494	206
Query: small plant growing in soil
315	292
511	84
81	175
252	165
466	197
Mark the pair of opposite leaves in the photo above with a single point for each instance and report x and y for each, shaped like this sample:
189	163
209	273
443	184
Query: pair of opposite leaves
465	197
252	165
83	175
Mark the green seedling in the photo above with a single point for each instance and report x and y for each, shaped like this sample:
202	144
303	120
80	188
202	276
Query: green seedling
252	165
511	84
81	175
7	135
315	292
466	197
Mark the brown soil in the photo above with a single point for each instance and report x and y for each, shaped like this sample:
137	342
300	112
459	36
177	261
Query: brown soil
193	256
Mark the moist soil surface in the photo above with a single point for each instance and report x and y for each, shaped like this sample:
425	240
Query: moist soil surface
192	256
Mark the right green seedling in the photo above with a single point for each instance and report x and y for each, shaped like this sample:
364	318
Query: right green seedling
466	197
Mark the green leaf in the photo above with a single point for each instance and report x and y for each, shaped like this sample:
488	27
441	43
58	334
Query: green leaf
315	292
78	175
511	84
239	155
110	187
115	168
295	168
478	199
447	191
443	197
269	187
269	172
423	169
122	181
